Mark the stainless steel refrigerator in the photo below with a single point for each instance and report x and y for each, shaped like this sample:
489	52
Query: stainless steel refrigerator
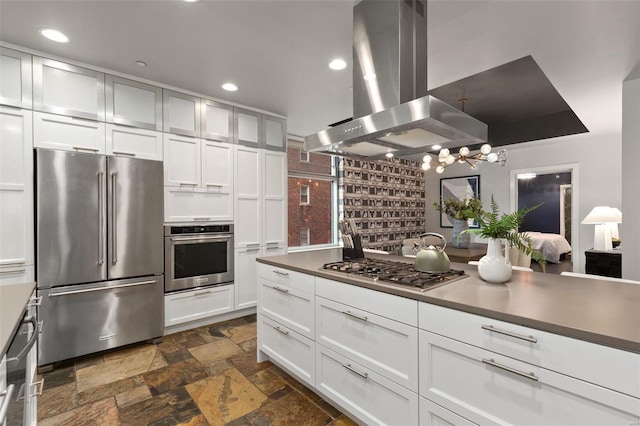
99	252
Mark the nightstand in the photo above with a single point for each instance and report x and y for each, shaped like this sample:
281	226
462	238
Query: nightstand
605	263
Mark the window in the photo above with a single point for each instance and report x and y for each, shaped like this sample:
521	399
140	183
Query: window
304	236
311	224
304	194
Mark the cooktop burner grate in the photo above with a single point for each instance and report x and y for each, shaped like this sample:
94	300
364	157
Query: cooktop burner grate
395	272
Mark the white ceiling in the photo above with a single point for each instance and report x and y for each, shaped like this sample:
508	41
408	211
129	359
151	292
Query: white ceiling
277	51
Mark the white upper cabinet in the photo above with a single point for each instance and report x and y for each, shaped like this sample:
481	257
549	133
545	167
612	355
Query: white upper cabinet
217	121
16	196
247	128
125	141
67	89
181	113
133	104
217	166
274	133
274	196
181	161
15	78
68	133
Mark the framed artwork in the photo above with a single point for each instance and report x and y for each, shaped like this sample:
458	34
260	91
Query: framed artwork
458	188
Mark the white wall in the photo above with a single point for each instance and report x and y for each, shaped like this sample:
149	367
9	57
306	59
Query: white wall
630	234
599	179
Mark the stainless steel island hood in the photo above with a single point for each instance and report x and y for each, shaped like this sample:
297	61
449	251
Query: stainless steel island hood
393	112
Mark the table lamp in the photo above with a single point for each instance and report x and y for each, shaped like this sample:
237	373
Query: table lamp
614	226
602	216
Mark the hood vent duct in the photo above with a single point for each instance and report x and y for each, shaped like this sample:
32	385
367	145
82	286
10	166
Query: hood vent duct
392	111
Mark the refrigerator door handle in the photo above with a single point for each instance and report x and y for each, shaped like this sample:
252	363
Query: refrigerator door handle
101	218
114	216
89	290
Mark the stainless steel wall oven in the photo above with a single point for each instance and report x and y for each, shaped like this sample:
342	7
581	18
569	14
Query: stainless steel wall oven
197	256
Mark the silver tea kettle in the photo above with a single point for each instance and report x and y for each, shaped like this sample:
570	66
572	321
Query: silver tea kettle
430	258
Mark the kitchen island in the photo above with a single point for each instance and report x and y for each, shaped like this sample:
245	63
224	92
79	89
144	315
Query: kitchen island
541	347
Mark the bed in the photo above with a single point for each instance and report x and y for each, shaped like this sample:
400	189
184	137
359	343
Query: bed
552	246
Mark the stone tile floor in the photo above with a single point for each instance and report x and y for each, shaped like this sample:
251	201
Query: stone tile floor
205	376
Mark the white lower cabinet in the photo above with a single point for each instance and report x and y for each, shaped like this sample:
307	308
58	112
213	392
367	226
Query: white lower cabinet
246	276
366	395
490	389
387	347
68	133
434	415
291	350
127	141
193	305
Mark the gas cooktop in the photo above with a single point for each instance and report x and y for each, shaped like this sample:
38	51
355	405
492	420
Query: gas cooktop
400	273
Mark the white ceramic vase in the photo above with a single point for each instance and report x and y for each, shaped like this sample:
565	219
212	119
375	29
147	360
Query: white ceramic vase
494	267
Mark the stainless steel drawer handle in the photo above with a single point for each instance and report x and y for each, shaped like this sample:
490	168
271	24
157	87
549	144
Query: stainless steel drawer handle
200	293
89	290
20	262
281	290
353	370
281	331
188	184
284	274
253	250
215	185
32	341
128	154
352	315
6	399
509	333
253	245
80	148
492	363
201	218
14	271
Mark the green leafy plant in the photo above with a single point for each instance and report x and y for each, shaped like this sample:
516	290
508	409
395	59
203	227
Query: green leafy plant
493	225
460	209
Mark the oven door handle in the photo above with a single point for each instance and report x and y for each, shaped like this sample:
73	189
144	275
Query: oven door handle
32	341
219	238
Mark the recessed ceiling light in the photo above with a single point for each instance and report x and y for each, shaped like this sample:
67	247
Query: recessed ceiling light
191	1
230	87
54	35
337	64
436	147
141	63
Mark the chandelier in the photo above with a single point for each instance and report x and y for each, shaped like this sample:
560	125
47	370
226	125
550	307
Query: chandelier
446	158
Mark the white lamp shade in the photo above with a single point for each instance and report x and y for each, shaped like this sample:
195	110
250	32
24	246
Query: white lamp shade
602	214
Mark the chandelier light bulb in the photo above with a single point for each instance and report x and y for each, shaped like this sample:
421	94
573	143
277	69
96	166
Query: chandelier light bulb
444	152
485	149
450	159
426	159
426	166
464	151
439	169
492	158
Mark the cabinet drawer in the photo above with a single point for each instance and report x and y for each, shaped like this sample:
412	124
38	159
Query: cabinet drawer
287	277
16	274
366	395
288	305
550	351
192	305
390	348
387	305
68	133
434	415
292	351
488	388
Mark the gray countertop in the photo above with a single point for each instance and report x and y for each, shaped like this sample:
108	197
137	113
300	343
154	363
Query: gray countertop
602	312
13	300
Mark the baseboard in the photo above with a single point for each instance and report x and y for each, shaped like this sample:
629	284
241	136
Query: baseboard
209	321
